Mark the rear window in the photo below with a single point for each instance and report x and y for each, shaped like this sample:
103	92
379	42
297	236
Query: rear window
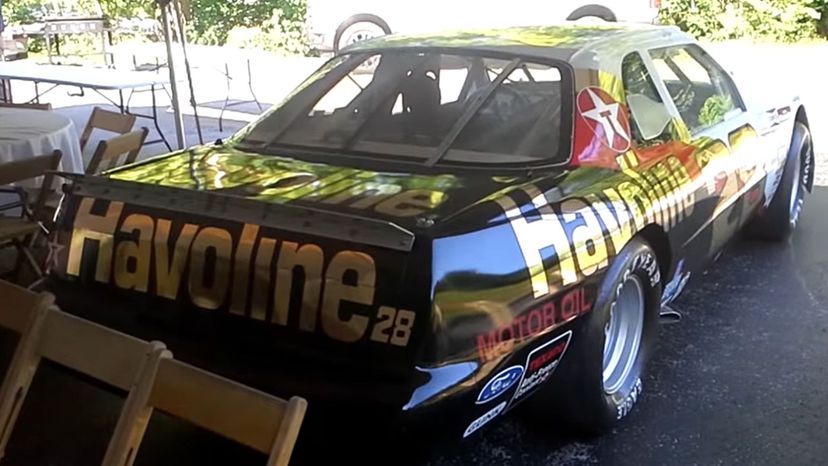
446	107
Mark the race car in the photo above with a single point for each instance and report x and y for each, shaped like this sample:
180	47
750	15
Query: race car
473	222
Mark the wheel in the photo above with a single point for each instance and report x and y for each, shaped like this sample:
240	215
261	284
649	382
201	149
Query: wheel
779	219
600	380
357	29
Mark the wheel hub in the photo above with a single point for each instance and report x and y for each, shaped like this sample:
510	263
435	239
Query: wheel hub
622	335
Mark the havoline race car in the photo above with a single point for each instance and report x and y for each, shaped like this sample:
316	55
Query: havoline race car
444	227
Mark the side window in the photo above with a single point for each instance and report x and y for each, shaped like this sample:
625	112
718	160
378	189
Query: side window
703	93
648	115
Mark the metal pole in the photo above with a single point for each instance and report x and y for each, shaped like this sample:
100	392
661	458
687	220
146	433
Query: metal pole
179	121
182	37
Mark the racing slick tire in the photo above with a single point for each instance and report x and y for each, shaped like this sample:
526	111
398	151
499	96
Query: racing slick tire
778	221
600	381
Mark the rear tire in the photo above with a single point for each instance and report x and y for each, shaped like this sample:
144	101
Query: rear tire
599	382
778	221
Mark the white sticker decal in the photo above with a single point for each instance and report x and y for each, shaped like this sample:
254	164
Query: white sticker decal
540	364
484	419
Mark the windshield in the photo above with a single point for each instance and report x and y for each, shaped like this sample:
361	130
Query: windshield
431	106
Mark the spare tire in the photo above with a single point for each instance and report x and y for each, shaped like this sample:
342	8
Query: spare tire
358	28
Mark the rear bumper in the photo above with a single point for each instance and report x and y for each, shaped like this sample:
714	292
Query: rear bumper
338	388
226	345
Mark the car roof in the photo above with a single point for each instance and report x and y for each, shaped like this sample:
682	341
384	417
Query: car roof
559	41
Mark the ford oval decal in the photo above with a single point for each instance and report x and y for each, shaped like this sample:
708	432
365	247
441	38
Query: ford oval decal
499	384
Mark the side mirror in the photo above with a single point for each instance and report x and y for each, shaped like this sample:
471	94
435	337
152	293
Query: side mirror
651	117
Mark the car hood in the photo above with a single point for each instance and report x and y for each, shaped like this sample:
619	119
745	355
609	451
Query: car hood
401	196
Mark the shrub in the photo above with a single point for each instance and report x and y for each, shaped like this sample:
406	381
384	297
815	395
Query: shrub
781	20
212	20
273	25
278	34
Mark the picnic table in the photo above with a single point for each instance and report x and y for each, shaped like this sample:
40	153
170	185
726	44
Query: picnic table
94	79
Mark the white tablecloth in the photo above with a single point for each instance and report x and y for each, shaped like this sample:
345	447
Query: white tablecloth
26	133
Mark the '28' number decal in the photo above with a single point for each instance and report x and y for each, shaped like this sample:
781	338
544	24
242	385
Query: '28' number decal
393	326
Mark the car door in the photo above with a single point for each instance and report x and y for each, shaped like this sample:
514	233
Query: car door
659	138
715	124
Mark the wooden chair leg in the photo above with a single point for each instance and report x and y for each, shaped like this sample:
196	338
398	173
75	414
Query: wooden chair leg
288	432
136	413
18	262
21	370
32	261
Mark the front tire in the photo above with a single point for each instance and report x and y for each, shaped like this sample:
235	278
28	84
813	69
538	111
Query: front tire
778	221
600	381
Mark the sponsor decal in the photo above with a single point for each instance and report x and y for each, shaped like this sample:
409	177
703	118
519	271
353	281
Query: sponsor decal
484	419
606	118
583	232
499	384
540	364
502	340
249	274
629	401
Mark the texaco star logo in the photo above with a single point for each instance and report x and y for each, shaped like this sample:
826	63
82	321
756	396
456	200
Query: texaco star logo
605	117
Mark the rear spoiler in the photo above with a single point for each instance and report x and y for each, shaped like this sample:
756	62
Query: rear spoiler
294	218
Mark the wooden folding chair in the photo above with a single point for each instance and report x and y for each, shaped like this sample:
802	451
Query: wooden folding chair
147	371
108	121
19	231
32	106
109	152
22	312
46	332
256	419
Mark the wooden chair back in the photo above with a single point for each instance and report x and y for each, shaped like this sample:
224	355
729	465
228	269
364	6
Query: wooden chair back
147	371
109	152
31	106
20	304
229	409
33	167
105	120
21	311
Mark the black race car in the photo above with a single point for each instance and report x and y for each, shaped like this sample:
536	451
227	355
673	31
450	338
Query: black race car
444	226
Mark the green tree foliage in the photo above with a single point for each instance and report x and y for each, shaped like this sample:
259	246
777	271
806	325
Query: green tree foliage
278	34
781	20
32	11
273	25
212	20
714	110
128	9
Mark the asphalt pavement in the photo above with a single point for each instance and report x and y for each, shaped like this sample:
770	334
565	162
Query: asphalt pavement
740	380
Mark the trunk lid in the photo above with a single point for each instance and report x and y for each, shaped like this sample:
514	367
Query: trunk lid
399	196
